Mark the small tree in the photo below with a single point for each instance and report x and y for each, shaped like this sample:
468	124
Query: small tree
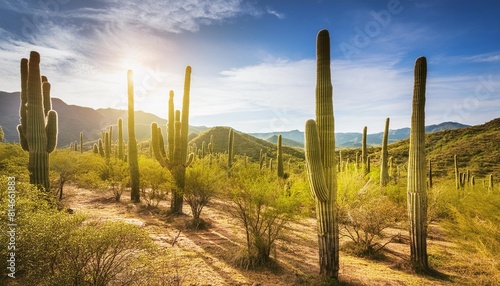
116	175
155	181
202	184
65	164
264	206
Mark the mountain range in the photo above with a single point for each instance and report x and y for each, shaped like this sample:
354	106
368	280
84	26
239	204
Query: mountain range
74	119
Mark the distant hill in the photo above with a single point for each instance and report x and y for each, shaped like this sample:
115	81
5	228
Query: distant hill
244	144
285	141
74	119
353	139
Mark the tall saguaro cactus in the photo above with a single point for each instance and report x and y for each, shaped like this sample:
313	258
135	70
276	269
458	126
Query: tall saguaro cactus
384	168
38	128
120	139
279	158
416	186
132	142
320	161
364	152
230	151
176	159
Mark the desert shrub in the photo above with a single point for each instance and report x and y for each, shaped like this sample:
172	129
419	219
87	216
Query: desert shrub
90	171
14	161
57	248
201	186
155	181
263	206
364	213
116	175
65	166
475	226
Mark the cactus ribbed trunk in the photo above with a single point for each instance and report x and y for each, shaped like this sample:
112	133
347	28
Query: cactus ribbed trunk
38	128
176	159
321	165
230	151
364	152
416	188
280	168
120	139
132	142
384	168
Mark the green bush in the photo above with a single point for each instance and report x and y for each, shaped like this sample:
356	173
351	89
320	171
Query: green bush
58	248
155	182
264	205
201	186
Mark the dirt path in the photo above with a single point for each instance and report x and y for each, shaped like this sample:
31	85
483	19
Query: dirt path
207	257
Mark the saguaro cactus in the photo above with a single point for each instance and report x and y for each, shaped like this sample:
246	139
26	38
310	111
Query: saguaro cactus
230	151
120	139
384	168
279	158
364	152
132	142
38	128
320	162
81	142
176	159
416	187
490	183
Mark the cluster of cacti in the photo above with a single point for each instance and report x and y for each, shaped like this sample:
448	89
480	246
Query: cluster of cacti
416	186
384	169
320	162
176	160
38	128
132	142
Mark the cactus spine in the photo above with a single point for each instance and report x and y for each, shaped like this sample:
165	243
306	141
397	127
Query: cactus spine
384	168
320	162
38	128
132	143
416	188
364	152
176	159
280	168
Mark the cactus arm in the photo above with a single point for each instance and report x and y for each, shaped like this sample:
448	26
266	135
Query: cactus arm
155	141
185	114
315	174
51	130
189	160
47	104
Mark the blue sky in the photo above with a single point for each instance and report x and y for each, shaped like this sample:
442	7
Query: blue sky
254	61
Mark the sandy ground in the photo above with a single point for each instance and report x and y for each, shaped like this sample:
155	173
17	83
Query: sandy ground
207	257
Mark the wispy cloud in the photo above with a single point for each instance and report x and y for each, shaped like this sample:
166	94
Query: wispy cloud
275	13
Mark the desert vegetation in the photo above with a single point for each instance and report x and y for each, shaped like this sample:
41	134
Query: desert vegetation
258	214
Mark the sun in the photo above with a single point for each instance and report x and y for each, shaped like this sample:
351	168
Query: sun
133	64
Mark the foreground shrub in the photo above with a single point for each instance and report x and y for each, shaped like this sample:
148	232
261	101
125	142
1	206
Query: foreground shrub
56	248
263	205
